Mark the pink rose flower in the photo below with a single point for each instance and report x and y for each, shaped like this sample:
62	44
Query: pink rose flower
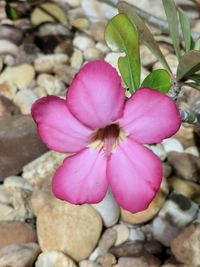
106	135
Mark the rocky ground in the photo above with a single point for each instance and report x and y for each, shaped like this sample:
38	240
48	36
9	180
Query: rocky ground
40	52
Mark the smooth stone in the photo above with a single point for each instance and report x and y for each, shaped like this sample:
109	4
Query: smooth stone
42	167
86	263
185	135
193	150
92	53
143	261
48	12
108	209
73	3
8	89
1	63
179	210
54	259
95	254
7	213
97	31
159	151
24	100
107	240
21	76
11	33
151	211
9	60
64	72
122	233
46	63
76	59
5	197
172	144
16	232
185	165
83	42
7	107
187	188
80	23
19	144
160	226
136	234
19	255
50	83
13	182
73	230
186	245
7	47
106	260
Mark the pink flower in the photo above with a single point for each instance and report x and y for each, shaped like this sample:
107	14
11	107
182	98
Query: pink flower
107	136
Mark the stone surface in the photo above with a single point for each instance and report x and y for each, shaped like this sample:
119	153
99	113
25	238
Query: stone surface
186	245
108	209
76	59
179	210
143	261
11	33
19	255
92	53
16	232
106	260
50	83
185	135
122	233
19	144
24	100
7	212
74	230
193	150
83	42
21	76
42	167
136	234
46	63
151	211
172	144
54	259
7	107
8	89
107	240
86	263
7	47
185	165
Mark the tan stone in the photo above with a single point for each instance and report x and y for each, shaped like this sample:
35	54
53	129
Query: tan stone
72	229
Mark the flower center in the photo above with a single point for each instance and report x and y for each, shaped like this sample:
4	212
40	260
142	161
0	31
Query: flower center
107	138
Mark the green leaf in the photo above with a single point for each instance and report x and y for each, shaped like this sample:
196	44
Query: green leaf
172	18
145	34
194	85
158	79
185	27
121	35
197	45
189	64
11	12
194	77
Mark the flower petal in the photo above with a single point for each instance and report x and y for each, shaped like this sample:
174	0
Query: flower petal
150	116
57	127
134	174
96	96
81	178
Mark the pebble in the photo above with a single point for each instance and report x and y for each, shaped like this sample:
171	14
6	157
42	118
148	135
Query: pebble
24	100
159	151
7	107
5	197
11	33
86	263
51	84
82	42
16	232
122	233
1	64
142	261
172	144
19	255
16	182
106	260
9	60
151	211
73	229
186	135
160	226
108	209
93	53
8	89
179	210
64	73
187	188
7	213
19	144
185	165
21	76
54	259
73	3
186	245
42	167
136	234
46	63
108	239
97	30
80	23
76	59
193	150
7	47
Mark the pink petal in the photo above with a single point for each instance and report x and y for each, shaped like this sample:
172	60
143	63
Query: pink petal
134	174
57	127
81	178
150	116
96	96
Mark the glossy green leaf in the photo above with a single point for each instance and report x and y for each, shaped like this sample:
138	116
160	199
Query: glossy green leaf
186	30
158	79
11	12
172	18
189	64
145	34
122	36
